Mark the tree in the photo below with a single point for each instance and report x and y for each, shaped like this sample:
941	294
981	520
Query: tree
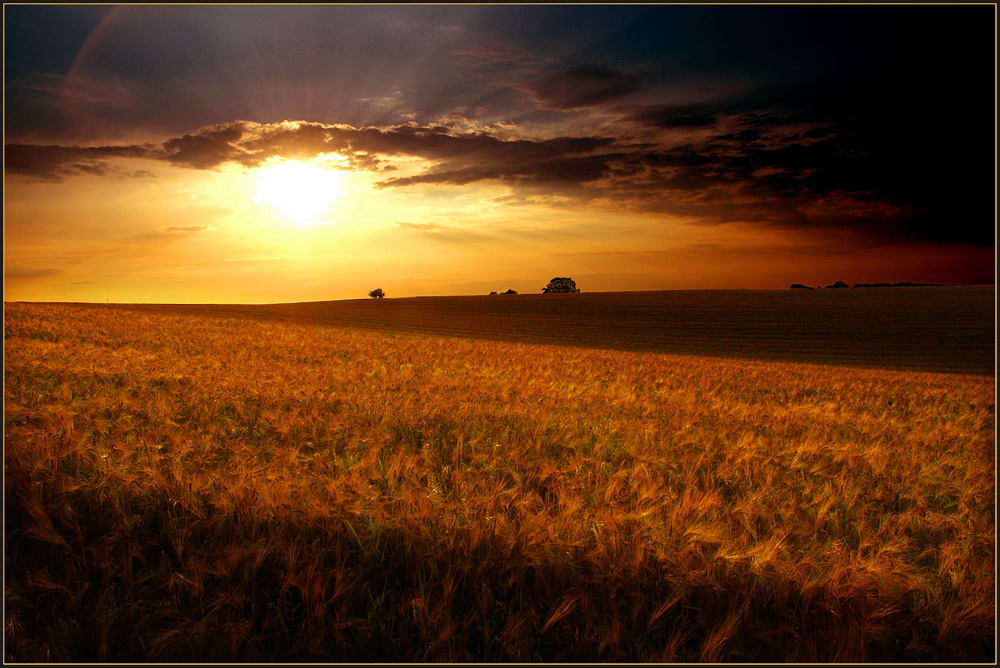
561	285
377	293
511	291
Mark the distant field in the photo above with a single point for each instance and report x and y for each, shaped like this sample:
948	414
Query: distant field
946	329
181	488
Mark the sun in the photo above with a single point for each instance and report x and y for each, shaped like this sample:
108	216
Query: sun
298	189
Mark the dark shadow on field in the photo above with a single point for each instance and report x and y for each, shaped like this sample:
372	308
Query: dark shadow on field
941	329
109	575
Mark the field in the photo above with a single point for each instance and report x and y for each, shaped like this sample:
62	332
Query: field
276	487
946	329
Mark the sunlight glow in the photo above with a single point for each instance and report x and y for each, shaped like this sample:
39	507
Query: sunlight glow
297	189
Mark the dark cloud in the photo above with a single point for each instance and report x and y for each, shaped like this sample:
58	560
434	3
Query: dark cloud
752	170
54	163
568	171
675	116
17	272
251	144
472	158
583	86
211	147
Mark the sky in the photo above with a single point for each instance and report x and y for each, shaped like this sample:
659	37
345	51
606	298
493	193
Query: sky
275	153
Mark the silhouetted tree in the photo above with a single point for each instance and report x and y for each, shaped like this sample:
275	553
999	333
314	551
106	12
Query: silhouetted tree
377	293
839	284
511	292
561	285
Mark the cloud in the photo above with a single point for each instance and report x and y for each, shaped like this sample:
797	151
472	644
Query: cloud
582	86
189	228
211	147
676	115
561	170
445	233
18	272
54	163
423	227
491	54
746	167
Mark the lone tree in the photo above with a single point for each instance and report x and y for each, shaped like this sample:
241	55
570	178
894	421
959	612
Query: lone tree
561	285
377	293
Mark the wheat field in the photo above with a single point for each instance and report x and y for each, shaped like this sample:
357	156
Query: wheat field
183	488
947	329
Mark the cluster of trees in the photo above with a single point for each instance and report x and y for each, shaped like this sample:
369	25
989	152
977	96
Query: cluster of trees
841	284
558	284
561	284
799	286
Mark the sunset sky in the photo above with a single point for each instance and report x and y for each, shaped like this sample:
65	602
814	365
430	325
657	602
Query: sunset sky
271	153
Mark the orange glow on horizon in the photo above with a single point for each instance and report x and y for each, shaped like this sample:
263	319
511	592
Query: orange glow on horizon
307	231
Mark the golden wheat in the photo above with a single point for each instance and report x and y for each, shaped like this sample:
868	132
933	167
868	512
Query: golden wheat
310	493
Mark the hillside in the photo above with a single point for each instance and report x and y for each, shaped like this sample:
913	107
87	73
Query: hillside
943	329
